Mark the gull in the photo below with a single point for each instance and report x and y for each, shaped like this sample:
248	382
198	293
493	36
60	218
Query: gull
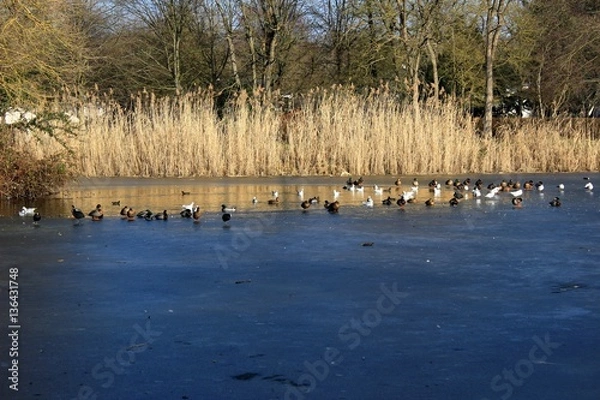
25	211
493	192
408	195
225	208
188	206
589	186
517	193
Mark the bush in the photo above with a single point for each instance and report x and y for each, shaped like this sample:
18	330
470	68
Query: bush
25	174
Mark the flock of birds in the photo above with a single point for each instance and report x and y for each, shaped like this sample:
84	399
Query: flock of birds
462	189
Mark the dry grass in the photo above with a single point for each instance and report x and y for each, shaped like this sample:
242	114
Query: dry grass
335	132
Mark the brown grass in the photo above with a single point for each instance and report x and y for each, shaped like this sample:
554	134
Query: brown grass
336	131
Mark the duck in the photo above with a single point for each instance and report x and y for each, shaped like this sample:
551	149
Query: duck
274	201
332	208
162	216
185	193
528	185
555	202
96	213
27	211
561	187
123	212
398	182
517	202
458	195
186	213
305	204
226	217
415	185
77	214
314	200
388	201
300	192
539	186
116	203
589	186
429	202
130	214
196	214
254	200
377	190
453	202
37	217
401	202
476	192
336	194
145	214
449	182
274	193
225	208
368	202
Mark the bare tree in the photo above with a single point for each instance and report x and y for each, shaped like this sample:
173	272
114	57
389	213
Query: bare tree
494	22
167	20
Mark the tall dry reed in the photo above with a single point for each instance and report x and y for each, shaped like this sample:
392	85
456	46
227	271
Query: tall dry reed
335	131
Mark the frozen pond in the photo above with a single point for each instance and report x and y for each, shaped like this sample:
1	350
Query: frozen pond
478	301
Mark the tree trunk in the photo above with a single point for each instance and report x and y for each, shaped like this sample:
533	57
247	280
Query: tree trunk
494	23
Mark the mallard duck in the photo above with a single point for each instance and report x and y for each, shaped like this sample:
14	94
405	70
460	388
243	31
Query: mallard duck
145	214
453	202
123	212
305	204
398	182
162	216
332	208
130	214
96	213
274	201
196	214
429	202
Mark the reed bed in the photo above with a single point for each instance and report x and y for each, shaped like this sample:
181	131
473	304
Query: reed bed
336	131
